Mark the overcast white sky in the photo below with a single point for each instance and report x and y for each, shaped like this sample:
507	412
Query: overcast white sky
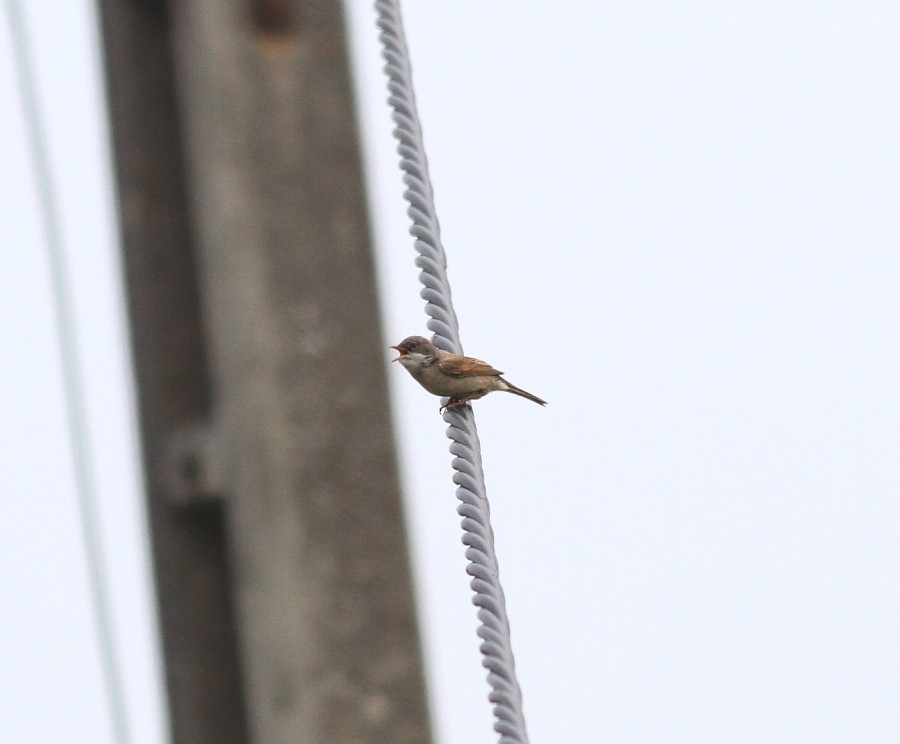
678	223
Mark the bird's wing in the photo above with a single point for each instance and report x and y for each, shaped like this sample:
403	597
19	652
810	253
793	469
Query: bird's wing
463	366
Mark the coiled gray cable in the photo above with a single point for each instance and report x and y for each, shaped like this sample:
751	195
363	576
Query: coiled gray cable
496	646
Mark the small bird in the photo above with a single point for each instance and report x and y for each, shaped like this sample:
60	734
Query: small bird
453	376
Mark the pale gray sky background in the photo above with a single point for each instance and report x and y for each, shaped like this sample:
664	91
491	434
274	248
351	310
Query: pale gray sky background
678	223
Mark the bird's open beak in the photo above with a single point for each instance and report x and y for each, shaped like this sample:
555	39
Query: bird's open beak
403	353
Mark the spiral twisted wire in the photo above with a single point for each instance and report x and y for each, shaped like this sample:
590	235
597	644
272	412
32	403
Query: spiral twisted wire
478	537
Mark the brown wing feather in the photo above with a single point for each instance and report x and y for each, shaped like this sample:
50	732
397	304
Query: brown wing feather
463	366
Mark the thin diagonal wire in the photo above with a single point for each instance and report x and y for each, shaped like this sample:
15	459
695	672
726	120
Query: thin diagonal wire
496	646
72	385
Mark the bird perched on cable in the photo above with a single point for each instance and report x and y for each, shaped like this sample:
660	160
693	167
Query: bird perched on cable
453	376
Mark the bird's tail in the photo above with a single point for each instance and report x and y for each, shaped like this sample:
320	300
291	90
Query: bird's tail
510	388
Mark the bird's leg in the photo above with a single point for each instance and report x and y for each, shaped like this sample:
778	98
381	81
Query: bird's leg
454	403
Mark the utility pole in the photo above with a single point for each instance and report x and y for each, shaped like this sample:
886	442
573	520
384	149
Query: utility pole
279	548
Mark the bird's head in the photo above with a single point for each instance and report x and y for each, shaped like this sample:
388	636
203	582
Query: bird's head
417	347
